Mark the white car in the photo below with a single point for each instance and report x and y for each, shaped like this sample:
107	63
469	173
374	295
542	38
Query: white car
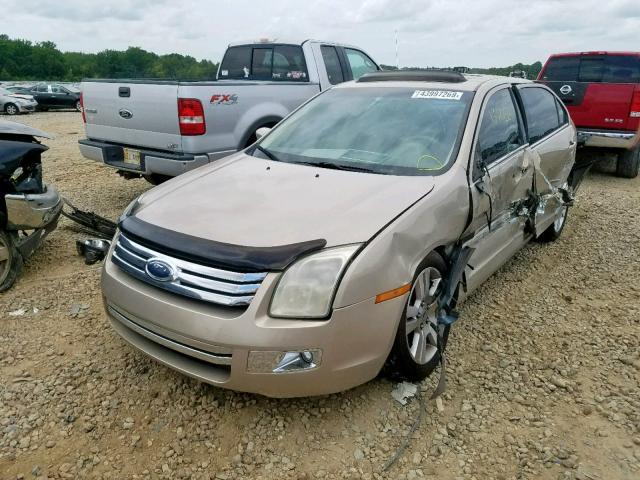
14	103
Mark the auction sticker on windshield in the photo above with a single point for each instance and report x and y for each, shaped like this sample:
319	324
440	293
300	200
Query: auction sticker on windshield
442	94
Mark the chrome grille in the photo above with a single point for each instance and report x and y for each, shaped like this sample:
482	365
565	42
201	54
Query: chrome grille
192	280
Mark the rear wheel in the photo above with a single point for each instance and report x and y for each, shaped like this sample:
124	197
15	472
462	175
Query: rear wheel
417	348
78	106
156	179
10	260
553	232
629	163
11	109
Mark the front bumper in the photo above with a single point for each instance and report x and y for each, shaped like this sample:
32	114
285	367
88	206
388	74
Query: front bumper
605	138
151	161
213	343
32	211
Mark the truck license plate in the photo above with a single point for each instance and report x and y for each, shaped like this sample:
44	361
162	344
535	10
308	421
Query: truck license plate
131	156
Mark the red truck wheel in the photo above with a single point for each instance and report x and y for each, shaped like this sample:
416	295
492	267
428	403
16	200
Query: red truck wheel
628	163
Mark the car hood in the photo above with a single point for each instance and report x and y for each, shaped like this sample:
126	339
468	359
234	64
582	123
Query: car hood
248	201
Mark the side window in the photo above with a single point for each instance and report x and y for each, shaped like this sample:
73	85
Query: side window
289	64
621	69
562	69
541	112
332	64
236	63
56	89
499	128
261	63
359	63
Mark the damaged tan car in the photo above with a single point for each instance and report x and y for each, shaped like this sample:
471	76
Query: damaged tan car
344	237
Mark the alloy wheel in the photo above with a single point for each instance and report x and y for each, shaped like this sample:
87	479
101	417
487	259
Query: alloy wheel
11	109
5	260
422	316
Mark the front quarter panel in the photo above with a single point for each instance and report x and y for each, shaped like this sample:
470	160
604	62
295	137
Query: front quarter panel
390	259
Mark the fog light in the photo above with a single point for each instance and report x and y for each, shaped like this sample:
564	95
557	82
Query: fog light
283	362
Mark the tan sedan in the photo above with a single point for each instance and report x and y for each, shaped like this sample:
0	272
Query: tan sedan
345	236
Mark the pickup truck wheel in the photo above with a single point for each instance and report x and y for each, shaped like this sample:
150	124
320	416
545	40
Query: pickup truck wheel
629	163
417	347
11	109
156	179
10	260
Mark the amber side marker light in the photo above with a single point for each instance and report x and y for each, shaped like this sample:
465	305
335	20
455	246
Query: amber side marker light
396	292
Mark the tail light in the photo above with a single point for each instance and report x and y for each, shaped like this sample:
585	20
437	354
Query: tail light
84	118
191	117
635	105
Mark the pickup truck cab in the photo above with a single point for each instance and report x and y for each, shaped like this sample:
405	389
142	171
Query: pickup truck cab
162	128
602	93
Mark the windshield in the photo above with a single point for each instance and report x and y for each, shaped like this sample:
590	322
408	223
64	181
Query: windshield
401	131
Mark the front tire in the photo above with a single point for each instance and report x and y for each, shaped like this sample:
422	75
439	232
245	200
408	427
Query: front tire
628	164
10	260
11	109
417	347
78	106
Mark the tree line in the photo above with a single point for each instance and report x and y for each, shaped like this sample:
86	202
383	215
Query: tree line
25	60
531	70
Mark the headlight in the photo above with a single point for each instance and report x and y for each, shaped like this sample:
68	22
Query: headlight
307	287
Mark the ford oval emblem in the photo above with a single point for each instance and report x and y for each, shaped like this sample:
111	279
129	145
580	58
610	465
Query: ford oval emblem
160	270
124	113
566	89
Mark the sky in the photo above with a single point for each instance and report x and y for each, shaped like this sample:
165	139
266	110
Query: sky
480	33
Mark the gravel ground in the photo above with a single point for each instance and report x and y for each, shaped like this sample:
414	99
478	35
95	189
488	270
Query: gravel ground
543	369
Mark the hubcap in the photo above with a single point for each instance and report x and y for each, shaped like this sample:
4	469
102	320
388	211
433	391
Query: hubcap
11	110
422	316
559	222
5	260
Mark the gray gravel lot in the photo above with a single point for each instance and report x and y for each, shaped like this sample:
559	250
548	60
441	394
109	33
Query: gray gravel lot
544	369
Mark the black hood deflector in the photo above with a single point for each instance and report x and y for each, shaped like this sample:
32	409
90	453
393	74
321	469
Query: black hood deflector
216	254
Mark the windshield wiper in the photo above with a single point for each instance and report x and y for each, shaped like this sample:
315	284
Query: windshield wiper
268	153
336	166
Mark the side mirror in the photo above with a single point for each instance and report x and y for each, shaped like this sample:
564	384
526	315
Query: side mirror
261	132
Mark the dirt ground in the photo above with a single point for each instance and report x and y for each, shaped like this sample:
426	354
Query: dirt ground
543	369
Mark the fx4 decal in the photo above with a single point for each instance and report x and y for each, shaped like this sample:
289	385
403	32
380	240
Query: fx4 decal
223	99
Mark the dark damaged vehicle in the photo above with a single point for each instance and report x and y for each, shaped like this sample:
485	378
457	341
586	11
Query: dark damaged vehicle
345	236
29	208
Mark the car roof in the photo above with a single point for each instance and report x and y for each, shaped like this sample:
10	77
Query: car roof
287	41
469	82
577	54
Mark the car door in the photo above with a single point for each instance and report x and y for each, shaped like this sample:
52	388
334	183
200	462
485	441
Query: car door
501	177
60	97
552	146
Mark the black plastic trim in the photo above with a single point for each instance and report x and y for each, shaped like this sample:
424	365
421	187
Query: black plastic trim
115	149
413	76
237	258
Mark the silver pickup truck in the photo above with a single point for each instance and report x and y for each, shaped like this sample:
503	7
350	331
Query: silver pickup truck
162	128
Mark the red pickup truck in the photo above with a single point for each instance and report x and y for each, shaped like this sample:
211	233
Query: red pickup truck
602	93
